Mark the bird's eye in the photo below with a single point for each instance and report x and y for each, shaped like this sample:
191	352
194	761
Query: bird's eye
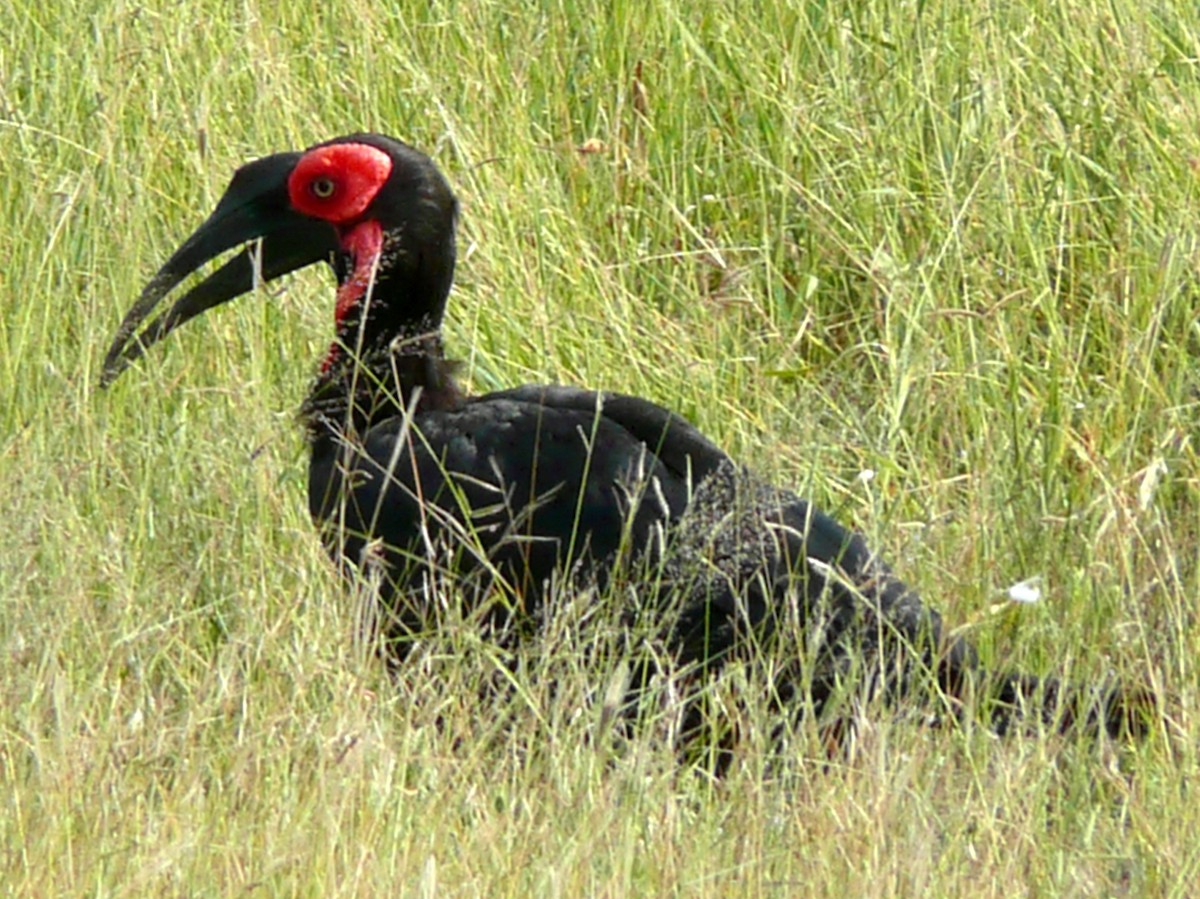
322	188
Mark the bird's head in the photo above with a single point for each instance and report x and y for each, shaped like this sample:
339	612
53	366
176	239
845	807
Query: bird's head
374	208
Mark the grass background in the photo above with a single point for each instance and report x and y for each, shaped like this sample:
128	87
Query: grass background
951	244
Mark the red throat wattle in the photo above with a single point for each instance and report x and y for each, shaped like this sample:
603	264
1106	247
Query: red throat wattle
364	243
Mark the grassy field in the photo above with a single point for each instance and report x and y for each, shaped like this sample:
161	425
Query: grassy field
952	244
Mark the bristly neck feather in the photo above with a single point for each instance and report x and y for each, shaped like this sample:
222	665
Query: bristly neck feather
388	358
358	391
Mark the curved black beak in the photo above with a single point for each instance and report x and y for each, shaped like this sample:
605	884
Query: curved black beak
255	210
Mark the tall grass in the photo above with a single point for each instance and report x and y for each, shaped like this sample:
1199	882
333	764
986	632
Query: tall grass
950	244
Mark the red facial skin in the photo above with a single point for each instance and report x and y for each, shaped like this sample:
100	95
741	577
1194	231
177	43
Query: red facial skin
336	184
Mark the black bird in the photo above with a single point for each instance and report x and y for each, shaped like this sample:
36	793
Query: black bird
510	497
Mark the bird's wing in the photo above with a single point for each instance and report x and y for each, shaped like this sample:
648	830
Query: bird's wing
675	441
524	483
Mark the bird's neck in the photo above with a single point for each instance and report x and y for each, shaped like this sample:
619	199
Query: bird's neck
358	390
387	359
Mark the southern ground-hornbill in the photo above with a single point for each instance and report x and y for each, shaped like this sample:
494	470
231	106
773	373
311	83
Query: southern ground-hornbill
507	499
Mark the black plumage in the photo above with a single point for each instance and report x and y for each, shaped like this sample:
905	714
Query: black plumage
514	495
